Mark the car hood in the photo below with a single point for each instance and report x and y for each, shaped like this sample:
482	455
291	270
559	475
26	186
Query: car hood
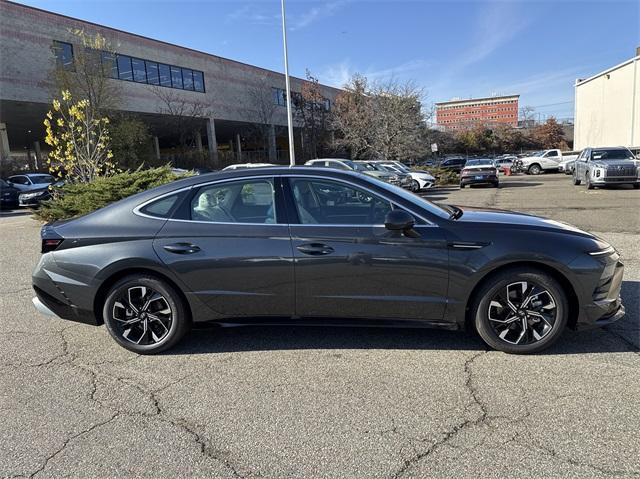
503	217
613	164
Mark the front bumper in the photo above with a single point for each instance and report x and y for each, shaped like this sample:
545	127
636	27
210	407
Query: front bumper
615	180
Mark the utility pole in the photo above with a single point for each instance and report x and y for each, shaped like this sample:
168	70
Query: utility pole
292	153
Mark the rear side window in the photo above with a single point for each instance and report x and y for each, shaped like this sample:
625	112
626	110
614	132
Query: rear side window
161	208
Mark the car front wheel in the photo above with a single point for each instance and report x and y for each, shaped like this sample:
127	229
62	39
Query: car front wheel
145	314
520	311
415	186
576	181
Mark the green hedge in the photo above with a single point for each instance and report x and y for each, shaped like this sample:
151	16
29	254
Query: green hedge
80	198
442	176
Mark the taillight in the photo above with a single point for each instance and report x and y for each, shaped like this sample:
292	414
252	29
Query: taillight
50	244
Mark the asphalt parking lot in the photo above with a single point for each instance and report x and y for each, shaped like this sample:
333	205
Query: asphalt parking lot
322	402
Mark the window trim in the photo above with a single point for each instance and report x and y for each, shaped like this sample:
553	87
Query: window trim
275	178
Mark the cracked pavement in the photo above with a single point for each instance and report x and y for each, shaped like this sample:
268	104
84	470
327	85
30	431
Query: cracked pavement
323	402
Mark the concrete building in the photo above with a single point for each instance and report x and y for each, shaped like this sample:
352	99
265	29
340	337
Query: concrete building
32	40
459	114
607	107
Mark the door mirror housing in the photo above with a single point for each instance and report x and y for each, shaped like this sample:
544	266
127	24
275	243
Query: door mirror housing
400	220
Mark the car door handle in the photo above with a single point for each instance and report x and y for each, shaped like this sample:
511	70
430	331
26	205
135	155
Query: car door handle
182	248
315	249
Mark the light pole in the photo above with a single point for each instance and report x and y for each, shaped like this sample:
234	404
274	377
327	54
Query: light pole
292	153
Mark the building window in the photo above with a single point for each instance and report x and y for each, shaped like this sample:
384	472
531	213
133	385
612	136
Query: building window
139	71
124	68
279	96
165	75
198	81
187	79
64	54
152	73
176	77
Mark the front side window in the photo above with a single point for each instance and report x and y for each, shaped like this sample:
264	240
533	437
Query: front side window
328	202
246	201
553	153
64	54
19	180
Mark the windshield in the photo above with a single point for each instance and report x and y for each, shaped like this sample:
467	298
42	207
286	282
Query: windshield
479	163
42	178
609	155
361	167
415	199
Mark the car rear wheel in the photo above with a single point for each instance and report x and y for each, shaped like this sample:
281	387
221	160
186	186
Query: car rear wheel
520	311
535	169
145	315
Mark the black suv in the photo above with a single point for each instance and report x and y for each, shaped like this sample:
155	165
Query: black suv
453	164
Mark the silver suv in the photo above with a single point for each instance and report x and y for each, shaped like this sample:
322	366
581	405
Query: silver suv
606	166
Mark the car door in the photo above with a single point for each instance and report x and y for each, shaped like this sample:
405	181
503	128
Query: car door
348	265
229	243
551	159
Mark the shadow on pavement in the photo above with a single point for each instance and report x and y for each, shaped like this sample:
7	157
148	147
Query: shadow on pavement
12	213
271	338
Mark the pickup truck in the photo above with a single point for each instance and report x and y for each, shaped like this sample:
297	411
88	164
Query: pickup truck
545	160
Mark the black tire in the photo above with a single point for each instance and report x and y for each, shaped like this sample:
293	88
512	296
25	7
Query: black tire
462	185
636	185
158	330
490	330
415	186
576	181
534	169
496	184
587	182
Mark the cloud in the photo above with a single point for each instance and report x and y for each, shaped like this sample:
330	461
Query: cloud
339	74
255	15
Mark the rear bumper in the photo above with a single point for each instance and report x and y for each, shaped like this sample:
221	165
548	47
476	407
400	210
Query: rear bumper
472	180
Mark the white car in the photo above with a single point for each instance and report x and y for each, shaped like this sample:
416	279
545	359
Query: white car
545	160
31	181
239	166
420	180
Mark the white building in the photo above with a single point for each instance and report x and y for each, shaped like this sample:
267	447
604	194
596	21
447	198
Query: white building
607	107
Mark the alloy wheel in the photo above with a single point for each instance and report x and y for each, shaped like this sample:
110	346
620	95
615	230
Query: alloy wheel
522	313
142	315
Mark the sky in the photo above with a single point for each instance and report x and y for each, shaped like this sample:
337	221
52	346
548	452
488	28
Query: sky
450	49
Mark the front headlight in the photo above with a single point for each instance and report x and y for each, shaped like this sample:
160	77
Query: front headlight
28	196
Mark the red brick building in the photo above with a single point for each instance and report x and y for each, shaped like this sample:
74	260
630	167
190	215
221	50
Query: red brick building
459	114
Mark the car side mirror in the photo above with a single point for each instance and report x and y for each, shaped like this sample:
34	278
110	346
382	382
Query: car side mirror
400	220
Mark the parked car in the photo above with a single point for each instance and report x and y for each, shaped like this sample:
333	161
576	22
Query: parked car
8	195
419	179
566	166
240	166
477	172
357	166
545	160
607	166
323	246
502	164
403	179
33	198
453	164
31	181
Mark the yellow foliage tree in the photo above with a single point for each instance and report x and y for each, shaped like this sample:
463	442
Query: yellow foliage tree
79	140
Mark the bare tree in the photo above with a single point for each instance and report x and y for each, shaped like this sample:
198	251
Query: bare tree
383	120
527	116
260	112
182	114
312	112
